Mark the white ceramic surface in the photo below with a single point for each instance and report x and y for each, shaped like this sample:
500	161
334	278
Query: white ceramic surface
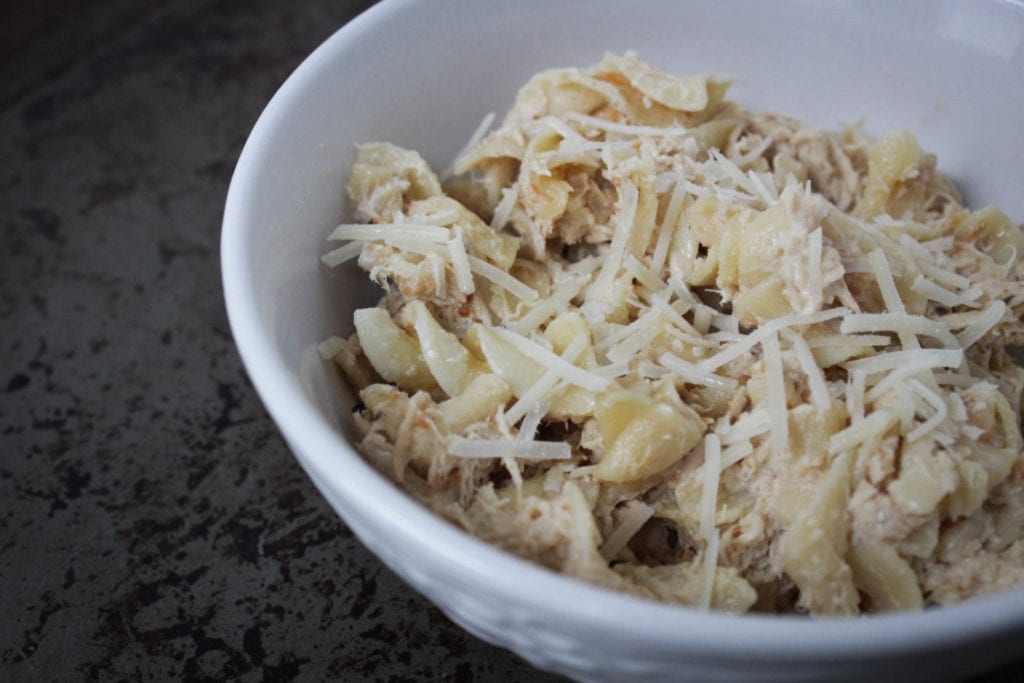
422	74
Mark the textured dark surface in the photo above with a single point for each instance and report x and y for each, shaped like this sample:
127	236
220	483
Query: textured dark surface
153	525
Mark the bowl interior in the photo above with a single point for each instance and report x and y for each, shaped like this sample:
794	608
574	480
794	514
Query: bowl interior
423	75
949	72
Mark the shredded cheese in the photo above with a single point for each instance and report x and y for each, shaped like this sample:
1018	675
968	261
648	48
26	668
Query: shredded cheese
330	347
474	140
913	366
756	337
710	565
693	374
535	398
900	323
937	418
855	395
635	516
495	448
723	322
815	380
709	490
342	254
941	295
623	128
628	196
668	227
503	211
446	217
747	426
814	284
556	301
956	379
854	340
663	366
874	425
947	278
981	325
567	133
928	358
766	189
735	453
502	279
890	295
777	404
384	231
728	169
531	421
460	262
644	275
554	362
631	345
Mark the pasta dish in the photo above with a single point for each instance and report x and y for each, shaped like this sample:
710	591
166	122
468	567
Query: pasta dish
651	339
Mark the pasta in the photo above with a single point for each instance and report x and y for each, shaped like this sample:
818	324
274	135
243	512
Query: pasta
700	354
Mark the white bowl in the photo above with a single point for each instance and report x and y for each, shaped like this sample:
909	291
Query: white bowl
422	74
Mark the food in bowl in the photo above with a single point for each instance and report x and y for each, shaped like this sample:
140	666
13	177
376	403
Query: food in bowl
705	355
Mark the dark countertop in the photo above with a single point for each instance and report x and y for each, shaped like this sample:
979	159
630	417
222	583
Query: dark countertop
153	524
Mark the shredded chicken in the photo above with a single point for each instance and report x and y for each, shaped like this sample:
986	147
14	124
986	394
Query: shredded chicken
700	354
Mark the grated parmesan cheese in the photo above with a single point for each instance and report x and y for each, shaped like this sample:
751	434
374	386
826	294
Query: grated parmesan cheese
693	374
536	397
815	380
855	395
632	228
900	323
710	565
495	448
747	426
890	295
874	425
556	301
384	231
915	364
613	259
709	490
981	325
776	383
814	275
445	218
330	347
623	128
644	275
927	358
460	262
941	295
531	421
937	418
668	227
855	340
636	516
758	336
502	279
342	254
503	211
735	453
474	140
547	358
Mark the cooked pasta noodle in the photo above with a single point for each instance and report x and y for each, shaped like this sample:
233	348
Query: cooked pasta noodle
705	355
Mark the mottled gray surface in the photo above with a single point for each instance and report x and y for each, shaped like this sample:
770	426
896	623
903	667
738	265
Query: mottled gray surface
152	523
